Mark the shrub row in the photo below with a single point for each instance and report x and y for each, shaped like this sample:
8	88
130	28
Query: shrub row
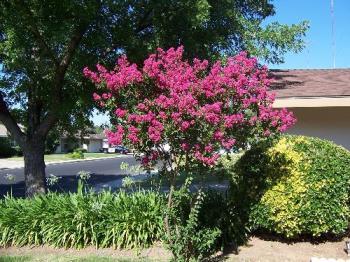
294	186
291	186
118	220
77	153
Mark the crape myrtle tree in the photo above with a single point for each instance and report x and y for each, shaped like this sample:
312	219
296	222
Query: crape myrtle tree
45	44
182	114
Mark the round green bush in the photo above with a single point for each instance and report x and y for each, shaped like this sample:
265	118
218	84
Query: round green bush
294	186
77	154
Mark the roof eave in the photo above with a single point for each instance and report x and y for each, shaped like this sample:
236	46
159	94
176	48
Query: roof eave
339	101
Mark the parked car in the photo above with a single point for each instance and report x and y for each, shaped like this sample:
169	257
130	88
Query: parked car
116	149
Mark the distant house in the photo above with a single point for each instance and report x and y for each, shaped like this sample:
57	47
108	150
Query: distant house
319	98
5	134
3	131
93	143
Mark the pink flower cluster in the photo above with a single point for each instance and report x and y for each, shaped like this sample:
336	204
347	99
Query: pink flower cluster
123	75
194	108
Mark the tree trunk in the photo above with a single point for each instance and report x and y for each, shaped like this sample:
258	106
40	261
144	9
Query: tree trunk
169	206
34	168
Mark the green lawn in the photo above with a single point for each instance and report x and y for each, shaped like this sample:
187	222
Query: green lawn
59	157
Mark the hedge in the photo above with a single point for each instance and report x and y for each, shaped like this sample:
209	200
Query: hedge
77	220
294	186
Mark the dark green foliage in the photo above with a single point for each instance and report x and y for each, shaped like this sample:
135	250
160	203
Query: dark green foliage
202	223
44	47
36	37
189	241
78	220
18	151
53	140
218	211
295	186
6	149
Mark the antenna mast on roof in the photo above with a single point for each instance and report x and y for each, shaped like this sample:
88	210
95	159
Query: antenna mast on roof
333	33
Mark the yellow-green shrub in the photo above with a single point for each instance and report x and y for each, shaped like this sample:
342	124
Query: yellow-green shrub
295	185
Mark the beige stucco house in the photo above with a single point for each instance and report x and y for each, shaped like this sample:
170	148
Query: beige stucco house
92	143
320	100
5	134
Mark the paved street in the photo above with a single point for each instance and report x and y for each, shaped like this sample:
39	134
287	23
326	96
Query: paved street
102	171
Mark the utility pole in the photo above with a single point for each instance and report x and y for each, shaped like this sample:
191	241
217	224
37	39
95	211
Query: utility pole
333	33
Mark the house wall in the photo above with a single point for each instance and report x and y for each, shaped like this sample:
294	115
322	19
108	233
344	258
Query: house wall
332	123
66	145
3	130
58	149
94	145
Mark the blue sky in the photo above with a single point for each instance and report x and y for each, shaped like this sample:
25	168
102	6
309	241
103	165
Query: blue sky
318	51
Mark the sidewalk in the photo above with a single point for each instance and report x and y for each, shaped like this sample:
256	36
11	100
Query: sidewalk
11	164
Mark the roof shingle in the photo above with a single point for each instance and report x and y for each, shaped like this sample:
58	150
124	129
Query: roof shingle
310	82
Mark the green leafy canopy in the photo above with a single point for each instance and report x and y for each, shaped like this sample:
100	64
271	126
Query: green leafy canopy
34	36
44	45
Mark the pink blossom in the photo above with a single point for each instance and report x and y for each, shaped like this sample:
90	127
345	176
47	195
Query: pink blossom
145	160
154	155
133	134
91	75
228	144
185	146
208	148
141	107
106	95
218	135
162	115
120	112
101	68
185	125
96	97
115	138
231	120
194	107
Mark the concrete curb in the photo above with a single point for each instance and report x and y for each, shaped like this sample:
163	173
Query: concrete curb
21	165
85	159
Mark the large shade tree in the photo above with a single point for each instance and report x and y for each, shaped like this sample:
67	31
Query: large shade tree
44	46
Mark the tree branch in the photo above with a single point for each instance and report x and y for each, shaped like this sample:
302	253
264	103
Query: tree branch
48	122
73	44
145	21
10	123
34	29
51	118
